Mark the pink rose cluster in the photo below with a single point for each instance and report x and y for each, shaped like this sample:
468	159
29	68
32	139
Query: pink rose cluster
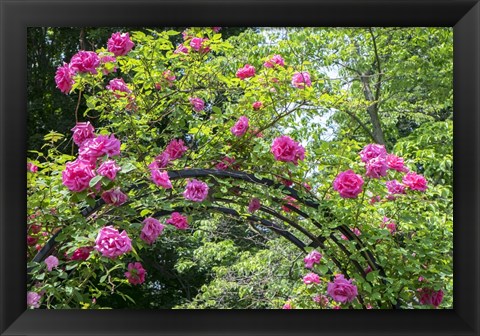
240	127
111	243
88	61
275	60
246	72
341	289
285	149
77	174
136	273
152	228
177	220
196	191
173	151
312	258
300	80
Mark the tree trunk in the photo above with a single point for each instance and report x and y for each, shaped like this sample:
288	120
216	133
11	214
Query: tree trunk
372	110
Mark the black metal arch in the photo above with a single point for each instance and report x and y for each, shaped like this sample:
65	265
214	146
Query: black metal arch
250	178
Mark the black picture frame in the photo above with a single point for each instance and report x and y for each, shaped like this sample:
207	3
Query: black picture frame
16	16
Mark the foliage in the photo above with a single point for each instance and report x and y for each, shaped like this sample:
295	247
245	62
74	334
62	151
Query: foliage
230	257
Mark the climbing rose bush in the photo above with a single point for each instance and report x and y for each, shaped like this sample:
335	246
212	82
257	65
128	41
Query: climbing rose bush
163	108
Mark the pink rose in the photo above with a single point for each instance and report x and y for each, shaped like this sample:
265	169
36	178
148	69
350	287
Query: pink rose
240	127
367	269
114	196
161	179
102	145
175	149
376	167
257	105
198	44
246	72
311	278
372	151
152	228
341	289
108	169
136	273
118	84
216	29
111	244
120	44
33	300
51	262
312	258
196	191
197	103
275	60
35	228
85	61
169	75
389	224
356	231
395	187
348	184
396	163
177	220
415	181
301	79
290	201
226	163
31	240
161	161
254	205
82	253
31	167
77	175
287	305
82	131
286	149
181	49
64	78
430	297
375	199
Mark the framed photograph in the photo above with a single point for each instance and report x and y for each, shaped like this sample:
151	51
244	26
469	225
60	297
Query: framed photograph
240	168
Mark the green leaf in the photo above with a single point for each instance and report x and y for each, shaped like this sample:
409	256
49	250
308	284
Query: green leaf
95	180
128	167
